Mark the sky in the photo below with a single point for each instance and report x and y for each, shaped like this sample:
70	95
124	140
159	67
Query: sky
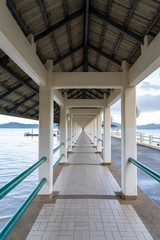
148	99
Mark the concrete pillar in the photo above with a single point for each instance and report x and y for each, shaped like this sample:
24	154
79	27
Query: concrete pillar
63	131
107	136
128	137
46	98
95	132
92	131
69	135
99	133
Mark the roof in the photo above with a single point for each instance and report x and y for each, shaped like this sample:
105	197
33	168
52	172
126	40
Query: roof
95	35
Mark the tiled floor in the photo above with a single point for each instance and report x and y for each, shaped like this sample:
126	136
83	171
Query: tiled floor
92	218
88	219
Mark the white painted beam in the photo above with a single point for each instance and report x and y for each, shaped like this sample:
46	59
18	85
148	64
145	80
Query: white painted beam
85	103
148	62
114	97
84	111
18	48
58	98
87	80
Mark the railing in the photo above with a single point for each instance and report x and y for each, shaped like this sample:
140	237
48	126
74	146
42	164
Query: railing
59	159
62	155
12	184
68	139
68	147
146	169
141	138
57	148
100	140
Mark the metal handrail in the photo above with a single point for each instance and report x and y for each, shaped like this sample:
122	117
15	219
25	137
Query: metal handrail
12	222
146	169
57	148
62	155
68	139
95	137
13	183
100	140
68	147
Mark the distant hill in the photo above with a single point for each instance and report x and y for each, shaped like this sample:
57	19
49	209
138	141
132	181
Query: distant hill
147	126
18	125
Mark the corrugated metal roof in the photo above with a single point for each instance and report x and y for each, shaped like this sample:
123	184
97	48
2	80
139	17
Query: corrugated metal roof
65	45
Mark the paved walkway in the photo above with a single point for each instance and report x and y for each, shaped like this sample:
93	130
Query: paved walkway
86	208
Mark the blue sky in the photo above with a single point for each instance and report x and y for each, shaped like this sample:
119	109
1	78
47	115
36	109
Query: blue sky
148	99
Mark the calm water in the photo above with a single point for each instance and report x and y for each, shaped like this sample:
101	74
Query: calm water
17	153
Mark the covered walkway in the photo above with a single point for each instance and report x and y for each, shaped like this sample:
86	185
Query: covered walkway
87	207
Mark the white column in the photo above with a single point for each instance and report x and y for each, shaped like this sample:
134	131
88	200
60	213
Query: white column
128	136
107	136
95	131
63	132
99	132
46	112
69	135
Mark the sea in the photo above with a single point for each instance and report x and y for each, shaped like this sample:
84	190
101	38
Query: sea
17	153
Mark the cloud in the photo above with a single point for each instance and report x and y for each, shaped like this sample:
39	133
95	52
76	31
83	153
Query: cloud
149	102
148	86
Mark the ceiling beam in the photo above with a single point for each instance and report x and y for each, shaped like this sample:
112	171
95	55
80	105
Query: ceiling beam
24	28
116	25
85	103
76	67
81	80
95	68
32	108
153	22
22	102
58	25
67	54
19	79
51	34
11	90
89	91
68	31
103	31
86	30
122	34
104	54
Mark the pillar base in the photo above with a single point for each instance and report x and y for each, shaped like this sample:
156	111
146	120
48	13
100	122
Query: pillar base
128	197
106	164
45	196
69	152
98	152
63	164
95	147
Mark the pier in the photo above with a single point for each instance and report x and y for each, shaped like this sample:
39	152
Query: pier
86	204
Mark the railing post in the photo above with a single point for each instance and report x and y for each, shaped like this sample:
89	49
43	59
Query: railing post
151	139
69	143
141	137
95	132
46	111
128	137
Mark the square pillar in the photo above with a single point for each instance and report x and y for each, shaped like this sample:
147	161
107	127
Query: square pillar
107	136
95	132
128	137
63	132
69	142
99	133
92	131
46	107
